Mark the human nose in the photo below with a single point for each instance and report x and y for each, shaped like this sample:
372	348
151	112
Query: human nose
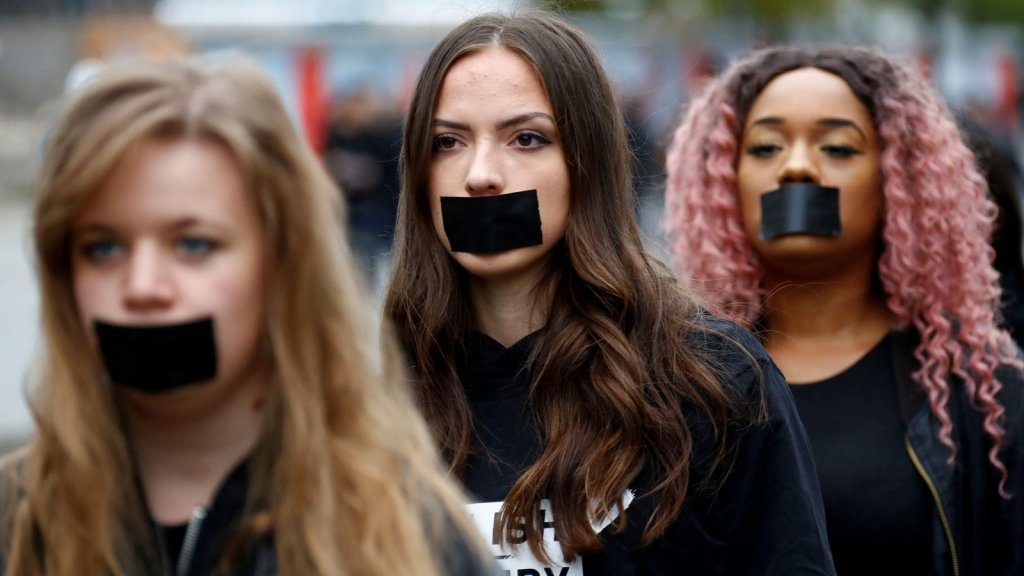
485	173
148	284
799	166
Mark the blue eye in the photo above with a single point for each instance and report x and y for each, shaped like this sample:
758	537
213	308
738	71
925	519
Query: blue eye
102	250
195	247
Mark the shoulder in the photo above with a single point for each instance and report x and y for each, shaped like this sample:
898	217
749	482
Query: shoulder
461	547
1011	396
732	353
717	335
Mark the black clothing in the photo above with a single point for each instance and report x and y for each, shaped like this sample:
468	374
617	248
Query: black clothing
876	504
986	531
766	518
174	541
965	513
205	539
213	528
363	162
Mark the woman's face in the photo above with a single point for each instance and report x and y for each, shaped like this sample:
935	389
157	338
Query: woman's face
808	126
494	132
173	236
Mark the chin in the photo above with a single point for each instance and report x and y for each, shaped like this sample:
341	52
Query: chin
506	265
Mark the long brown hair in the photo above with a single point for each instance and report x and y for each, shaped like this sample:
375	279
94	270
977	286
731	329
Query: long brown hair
341	431
611	371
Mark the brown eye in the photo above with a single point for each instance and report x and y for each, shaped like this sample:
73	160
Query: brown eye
530	140
840	151
444	142
762	150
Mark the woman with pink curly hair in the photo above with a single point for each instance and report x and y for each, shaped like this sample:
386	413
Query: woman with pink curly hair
825	198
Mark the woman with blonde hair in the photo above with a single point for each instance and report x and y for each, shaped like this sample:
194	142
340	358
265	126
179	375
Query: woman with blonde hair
209	400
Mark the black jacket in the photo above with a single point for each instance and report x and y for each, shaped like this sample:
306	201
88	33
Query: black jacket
211	531
766	518
977	533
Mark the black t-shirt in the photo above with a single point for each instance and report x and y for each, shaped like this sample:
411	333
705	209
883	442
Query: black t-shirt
766	518
876	504
174	539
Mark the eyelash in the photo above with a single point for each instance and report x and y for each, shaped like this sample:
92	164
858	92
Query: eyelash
445	142
836	151
763	150
101	250
534	137
190	247
195	247
437	145
840	151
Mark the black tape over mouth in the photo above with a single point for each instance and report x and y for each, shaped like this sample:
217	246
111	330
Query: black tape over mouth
158	358
800	208
494	223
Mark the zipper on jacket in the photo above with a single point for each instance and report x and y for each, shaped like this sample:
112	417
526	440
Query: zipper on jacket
938	503
188	546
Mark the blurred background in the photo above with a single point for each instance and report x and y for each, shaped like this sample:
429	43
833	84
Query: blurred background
345	69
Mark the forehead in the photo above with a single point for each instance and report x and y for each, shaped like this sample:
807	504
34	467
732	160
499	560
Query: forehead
809	92
494	74
171	178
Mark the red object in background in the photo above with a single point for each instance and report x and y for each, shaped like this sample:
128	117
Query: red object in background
924	62
698	69
312	97
1007	95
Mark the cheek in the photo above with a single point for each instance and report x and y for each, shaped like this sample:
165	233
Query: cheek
554	215
437	220
749	205
553	199
240	289
862	203
239	309
92	297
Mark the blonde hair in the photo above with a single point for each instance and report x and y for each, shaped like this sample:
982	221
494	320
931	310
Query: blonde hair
344	466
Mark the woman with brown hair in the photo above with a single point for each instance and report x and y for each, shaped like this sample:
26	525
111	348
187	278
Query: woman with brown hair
209	401
603	421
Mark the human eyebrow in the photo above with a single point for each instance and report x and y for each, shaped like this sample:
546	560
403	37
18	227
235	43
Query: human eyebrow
441	123
209	224
521	118
92	229
768	121
842	123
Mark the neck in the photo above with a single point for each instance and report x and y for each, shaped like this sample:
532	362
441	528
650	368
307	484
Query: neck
818	328
508	311
186	443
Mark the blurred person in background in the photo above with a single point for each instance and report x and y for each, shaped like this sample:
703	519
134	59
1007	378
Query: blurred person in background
604	423
825	199
996	165
208	399
361	154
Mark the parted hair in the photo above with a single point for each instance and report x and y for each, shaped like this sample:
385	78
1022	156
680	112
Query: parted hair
610	371
936	264
345	477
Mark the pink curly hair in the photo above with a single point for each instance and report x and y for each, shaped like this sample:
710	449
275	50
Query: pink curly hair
936	264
